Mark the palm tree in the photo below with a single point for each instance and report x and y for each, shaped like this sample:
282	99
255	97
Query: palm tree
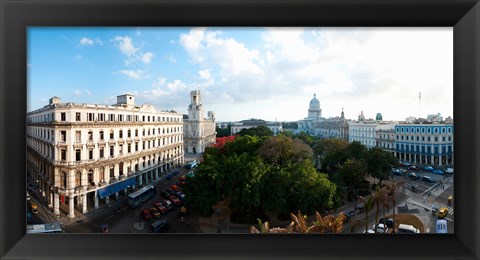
367	206
392	188
380	198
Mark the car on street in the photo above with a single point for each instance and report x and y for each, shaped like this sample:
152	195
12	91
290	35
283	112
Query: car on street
389	222
174	188
380	228
413	176
406	164
428	168
165	194
442	213
180	195
168	204
438	172
428	179
155	212
34	208
159	226
449	170
176	201
397	172
183	178
349	214
190	174
176	172
169	176
146	215
161	207
413	168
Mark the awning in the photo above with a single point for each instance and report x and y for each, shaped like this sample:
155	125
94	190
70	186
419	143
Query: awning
114	188
104	192
127	183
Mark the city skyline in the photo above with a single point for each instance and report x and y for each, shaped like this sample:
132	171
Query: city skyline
266	73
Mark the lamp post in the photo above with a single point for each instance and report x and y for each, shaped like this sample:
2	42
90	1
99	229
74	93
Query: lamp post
218	211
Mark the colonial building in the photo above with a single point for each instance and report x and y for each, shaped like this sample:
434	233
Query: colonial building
385	136
236	127
83	155
308	124
364	132
199	132
426	143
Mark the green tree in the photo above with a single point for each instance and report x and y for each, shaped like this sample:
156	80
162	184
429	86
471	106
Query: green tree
260	131
367	206
222	132
281	150
380	163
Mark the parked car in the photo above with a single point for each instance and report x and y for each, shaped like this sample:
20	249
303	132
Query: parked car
159	226
369	231
397	172
442	213
349	214
176	172
190	174
167	204
146	215
413	176
407	229
155	212
169	176
174	187
380	228
438	172
413	168
176	201
389	222
183	178
180	195
161	207
428	179
406	164
449	170
165	194
428	168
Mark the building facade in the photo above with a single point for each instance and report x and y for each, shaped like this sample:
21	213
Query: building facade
363	132
84	155
236	127
199	132
386	137
428	144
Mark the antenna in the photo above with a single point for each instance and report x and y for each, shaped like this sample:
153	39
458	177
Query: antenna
419	104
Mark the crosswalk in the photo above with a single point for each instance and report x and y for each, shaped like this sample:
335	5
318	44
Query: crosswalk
440	205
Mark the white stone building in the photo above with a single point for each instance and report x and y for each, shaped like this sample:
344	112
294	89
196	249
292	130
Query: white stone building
83	155
199	132
363	132
236	127
386	136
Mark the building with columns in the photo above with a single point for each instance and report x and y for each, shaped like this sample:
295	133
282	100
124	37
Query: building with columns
199	132
84	155
426	143
236	127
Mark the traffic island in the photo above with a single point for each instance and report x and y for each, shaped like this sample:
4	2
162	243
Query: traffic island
139	226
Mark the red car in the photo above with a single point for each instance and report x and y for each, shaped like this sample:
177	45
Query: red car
176	201
146	215
174	187
161	207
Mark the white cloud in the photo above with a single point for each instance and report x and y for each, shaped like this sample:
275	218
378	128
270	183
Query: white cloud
77	93
125	44
133	74
86	41
170	57
176	85
160	81
147	57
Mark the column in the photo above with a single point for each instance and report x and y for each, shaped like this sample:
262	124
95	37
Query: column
433	160
439	160
156	173
84	203
140	180
96	199
56	204
71	212
50	199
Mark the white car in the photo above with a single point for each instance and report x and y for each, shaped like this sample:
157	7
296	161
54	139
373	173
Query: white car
380	228
370	231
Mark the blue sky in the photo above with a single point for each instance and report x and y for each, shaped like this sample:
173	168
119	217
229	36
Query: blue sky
267	73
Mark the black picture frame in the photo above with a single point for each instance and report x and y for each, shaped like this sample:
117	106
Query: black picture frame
17	15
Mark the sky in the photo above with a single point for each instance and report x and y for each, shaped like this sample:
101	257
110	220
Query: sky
252	72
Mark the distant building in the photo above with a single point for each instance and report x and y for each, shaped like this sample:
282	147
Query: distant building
83	155
276	127
429	144
199	132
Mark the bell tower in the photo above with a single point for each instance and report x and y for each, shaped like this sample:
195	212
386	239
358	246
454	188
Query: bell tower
195	109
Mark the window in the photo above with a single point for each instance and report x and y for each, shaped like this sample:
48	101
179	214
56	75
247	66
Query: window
102	152
129	133
136	132
78	136
436	139
63	117
90	154
111	150
120	149
111	134
111	117
443	139
77	116
143	118
101	117
101	135
63	154
136	146
418	138
428	139
78	155
63	136
129	147
120	134
423	130
91	117
90	135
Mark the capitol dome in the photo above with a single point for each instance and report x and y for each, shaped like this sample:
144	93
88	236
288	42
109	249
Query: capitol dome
314	103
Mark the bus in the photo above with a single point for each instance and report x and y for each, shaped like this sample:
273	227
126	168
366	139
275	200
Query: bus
136	198
54	227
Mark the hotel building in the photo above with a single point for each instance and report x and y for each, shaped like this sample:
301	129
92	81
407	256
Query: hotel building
83	155
199	132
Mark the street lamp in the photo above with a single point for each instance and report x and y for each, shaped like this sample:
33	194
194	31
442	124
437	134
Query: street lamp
218	211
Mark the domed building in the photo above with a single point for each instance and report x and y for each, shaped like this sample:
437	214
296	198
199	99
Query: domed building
314	111
379	117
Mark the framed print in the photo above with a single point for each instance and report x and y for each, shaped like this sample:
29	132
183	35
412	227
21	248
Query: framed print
24	22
